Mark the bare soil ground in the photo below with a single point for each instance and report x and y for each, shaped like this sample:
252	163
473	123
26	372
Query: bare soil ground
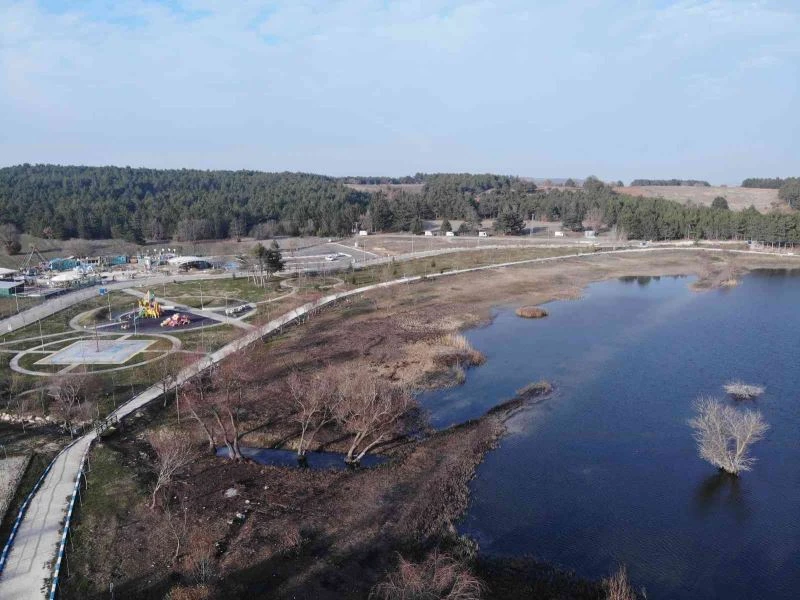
738	198
291	533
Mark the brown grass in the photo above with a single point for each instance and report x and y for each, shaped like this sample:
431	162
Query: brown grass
738	198
438	577
619	587
531	312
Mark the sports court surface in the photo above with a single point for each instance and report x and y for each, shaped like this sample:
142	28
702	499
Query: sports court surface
111	352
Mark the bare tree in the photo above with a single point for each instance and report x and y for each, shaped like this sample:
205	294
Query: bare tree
618	235
724	434
313	399
195	395
165	370
370	410
174	451
594	218
175	517
9	238
229	403
618	587
78	248
438	577
73	398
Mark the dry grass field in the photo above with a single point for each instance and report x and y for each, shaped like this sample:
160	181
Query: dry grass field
738	198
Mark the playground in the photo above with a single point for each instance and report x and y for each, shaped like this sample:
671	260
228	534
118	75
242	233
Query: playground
150	316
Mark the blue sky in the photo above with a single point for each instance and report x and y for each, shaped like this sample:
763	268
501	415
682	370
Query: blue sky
620	89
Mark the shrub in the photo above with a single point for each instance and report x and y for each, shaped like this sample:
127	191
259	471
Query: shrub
531	312
743	391
438	577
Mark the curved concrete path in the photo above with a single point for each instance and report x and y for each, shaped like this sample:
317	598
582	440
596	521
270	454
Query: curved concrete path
37	538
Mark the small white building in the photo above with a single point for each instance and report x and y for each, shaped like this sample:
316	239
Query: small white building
450	234
559	234
483	234
590	233
429	234
363	232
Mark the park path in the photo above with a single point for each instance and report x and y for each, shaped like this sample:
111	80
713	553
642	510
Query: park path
35	545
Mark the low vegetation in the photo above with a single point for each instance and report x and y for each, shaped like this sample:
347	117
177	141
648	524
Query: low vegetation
531	312
438	577
725	434
619	587
743	391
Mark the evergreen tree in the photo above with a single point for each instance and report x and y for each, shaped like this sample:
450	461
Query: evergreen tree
509	222
790	192
416	226
720	202
446	226
274	258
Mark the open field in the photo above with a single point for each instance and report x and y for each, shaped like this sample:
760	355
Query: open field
286	544
738	198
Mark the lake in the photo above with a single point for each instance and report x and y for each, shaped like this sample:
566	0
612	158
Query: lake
606	471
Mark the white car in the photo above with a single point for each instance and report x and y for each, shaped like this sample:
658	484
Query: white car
331	257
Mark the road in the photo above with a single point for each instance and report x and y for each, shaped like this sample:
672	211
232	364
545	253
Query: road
37	538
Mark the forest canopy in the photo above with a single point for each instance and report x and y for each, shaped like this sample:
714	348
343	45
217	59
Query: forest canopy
188	205
769	183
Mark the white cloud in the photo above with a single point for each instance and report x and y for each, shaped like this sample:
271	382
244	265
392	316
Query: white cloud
467	84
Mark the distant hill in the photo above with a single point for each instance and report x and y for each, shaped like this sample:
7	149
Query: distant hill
670	182
739	198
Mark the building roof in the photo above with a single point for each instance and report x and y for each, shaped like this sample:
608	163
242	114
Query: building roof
6	272
10	285
185	260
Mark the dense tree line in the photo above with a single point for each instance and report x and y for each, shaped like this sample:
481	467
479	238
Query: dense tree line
770	183
100	202
684	182
595	204
103	202
790	192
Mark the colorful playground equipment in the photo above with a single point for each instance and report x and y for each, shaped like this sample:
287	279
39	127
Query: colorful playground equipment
175	320
149	308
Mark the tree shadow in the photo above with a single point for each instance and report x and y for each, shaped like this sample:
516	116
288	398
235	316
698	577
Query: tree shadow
722	491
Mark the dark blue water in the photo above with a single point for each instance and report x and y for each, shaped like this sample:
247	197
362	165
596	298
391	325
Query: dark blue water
607	472
314	460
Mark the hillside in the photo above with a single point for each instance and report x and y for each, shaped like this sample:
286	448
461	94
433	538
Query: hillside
738	198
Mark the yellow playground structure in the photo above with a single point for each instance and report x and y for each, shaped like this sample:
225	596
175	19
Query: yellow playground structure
149	308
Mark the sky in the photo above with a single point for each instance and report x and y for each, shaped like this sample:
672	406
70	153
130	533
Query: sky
622	89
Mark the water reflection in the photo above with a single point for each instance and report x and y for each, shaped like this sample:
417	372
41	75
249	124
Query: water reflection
724	491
